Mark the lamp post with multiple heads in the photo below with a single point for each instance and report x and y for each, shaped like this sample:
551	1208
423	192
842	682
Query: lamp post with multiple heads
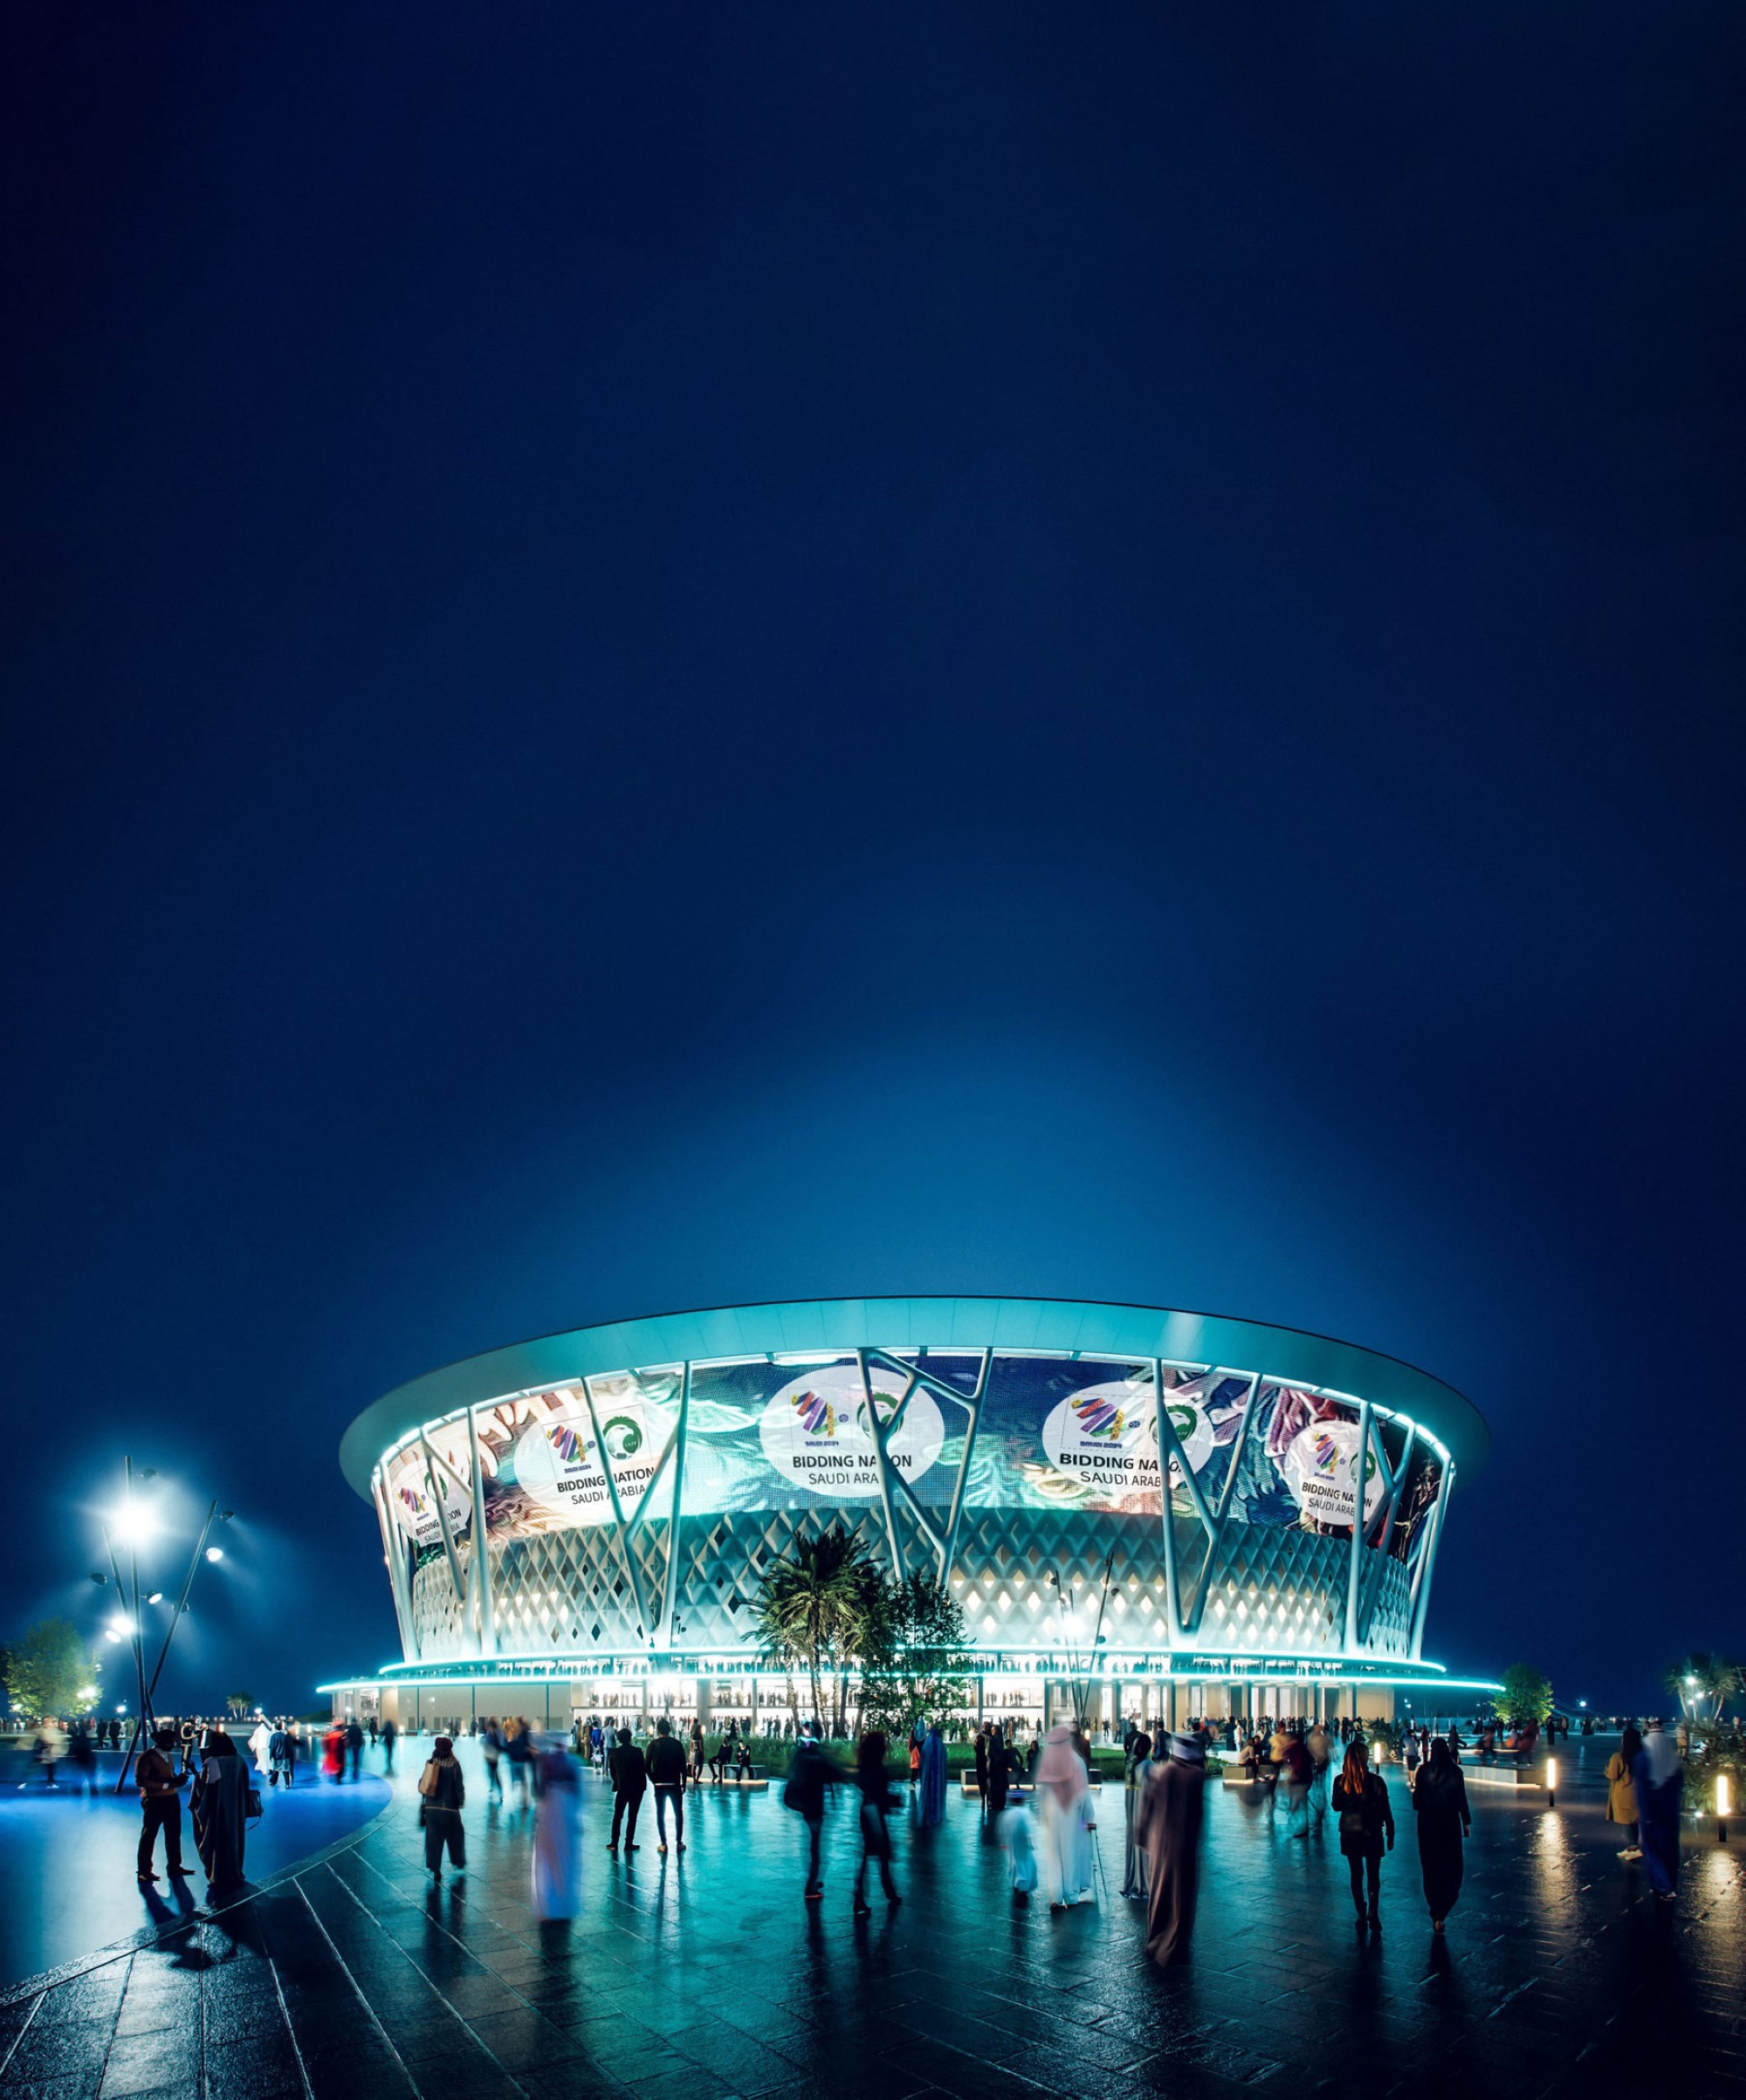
136	1524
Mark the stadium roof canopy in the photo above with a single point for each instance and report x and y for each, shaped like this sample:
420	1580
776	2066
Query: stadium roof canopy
1053	1325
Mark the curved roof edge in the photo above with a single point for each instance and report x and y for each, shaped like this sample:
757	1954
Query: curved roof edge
1054	1323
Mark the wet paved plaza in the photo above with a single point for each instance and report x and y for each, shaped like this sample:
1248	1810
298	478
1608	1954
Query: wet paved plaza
692	1978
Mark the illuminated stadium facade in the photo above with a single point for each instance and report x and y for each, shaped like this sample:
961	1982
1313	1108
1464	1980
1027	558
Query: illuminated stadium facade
1015	1446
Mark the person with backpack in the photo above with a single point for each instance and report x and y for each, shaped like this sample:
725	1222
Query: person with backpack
443	1794
666	1763
1366	1820
629	1782
810	1779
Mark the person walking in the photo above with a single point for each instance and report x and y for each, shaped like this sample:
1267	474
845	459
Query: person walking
557	1834
51	1748
81	1757
1621	1791
1366	1820
1134	1861
161	1786
1296	1771
810	1778
443	1794
1439	1802
354	1747
1659	1780
517	1751
1321	1749
390	1734
981	1754
697	1750
1062	1787
220	1805
1168	1826
491	1748
877	1799
999	1770
931	1800
630	1783
260	1747
666	1763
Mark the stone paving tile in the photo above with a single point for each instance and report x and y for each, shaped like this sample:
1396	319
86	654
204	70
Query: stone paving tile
705	1978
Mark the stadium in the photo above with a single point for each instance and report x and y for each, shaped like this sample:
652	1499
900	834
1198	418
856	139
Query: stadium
583	1522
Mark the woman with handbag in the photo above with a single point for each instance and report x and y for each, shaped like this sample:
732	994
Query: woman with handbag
223	1800
441	1795
1366	1820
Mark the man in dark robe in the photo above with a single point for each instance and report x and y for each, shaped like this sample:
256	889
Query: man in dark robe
220	1808
1167	1825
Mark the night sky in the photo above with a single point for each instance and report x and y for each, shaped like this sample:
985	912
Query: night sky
667	656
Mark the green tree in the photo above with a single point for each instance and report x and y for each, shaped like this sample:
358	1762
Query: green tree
1703	1684
913	1662
50	1670
1526	1695
812	1615
239	1703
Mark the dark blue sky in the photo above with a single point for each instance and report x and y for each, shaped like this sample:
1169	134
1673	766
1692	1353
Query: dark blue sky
694	658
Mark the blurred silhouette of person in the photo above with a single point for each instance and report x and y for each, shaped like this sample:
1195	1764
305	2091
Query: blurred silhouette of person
159	1786
999	1769
558	1832
810	1779
354	1747
50	1746
1063	1820
390	1734
877	1799
1659	1780
81	1757
932	1800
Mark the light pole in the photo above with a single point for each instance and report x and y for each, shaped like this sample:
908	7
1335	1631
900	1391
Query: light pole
136	1524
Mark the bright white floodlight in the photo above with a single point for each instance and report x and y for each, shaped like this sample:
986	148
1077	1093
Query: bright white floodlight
134	1524
215	1553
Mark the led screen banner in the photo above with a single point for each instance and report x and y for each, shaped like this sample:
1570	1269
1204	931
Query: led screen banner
1052	1434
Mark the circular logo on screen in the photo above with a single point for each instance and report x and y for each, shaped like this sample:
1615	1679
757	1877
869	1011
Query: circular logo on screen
559	1467
1104	1437
1320	1467
815	1432
415	1507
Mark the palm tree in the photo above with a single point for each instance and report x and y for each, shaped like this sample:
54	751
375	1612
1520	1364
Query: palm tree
812	1608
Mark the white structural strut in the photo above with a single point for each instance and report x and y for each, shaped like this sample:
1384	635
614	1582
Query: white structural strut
395	1557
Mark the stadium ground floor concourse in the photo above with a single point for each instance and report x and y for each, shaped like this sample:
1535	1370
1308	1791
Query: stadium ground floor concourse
1030	1693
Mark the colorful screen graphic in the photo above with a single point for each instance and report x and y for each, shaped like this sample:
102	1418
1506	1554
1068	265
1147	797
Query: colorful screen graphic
1053	1434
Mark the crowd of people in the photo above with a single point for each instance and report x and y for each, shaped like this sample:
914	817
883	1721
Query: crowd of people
1038	1793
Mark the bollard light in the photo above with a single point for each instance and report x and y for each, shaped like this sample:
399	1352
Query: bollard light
1551	1782
1721	1807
